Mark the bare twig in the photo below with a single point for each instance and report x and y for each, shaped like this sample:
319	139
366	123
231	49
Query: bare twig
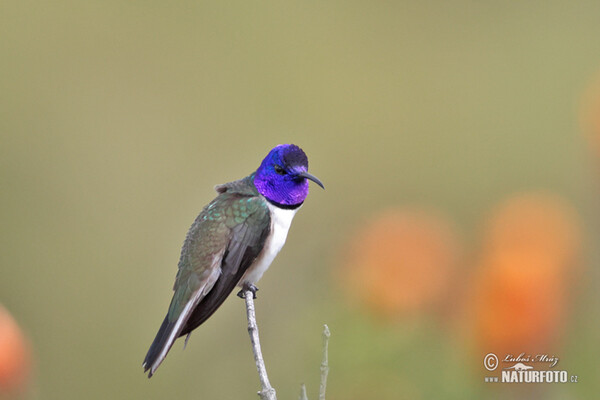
303	395
267	392
324	363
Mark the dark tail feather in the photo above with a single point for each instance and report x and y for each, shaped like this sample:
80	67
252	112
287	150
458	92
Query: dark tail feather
161	341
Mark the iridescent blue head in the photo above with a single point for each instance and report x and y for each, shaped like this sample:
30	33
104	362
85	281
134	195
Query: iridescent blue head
283	176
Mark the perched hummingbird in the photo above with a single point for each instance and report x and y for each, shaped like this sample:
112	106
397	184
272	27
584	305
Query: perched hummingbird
232	242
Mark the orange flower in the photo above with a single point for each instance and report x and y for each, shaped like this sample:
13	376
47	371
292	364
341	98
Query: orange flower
400	261
518	303
519	295
535	223
14	355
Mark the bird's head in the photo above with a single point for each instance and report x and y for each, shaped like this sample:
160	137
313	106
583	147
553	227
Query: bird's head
283	175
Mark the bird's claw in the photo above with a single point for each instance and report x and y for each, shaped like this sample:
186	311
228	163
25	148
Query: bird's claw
251	288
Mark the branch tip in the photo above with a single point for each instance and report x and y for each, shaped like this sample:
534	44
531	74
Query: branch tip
267	392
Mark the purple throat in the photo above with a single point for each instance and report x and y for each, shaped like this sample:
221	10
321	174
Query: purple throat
288	192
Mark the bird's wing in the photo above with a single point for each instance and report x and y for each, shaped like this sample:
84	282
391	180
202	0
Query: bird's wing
221	244
247	240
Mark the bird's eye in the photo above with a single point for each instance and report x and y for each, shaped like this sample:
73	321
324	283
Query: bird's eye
279	169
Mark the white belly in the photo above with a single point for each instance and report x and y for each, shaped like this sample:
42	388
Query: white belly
280	225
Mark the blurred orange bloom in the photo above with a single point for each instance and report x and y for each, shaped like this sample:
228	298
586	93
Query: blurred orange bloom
400	261
538	224
518	303
519	296
14	355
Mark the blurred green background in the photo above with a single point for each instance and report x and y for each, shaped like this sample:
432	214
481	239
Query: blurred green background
117	118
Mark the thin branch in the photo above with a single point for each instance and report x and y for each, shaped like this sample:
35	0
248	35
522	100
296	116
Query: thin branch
324	363
303	395
267	392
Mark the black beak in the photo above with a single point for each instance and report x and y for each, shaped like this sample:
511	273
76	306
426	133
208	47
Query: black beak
311	177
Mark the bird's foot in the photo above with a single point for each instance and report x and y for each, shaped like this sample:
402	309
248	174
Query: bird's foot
251	288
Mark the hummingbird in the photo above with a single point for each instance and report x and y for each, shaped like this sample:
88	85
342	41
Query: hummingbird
232	242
